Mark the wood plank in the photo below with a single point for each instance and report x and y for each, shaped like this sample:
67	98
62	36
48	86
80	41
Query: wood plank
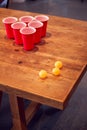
68	47
31	110
52	91
18	114
65	41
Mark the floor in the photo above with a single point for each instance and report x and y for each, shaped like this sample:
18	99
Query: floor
74	117
66	8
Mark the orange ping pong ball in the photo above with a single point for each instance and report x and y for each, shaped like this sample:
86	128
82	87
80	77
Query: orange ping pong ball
56	71
43	74
58	64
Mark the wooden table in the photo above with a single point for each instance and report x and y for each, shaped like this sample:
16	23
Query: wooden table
66	40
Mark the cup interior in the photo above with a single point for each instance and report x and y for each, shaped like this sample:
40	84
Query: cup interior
18	25
27	30
9	20
35	24
26	19
42	18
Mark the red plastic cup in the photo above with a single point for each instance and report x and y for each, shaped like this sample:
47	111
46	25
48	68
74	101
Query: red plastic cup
44	19
26	19
16	30
28	34
7	22
38	26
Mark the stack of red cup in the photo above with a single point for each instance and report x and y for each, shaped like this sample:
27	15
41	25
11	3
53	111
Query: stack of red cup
28	31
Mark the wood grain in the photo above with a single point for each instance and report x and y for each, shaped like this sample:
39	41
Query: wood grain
31	110
66	40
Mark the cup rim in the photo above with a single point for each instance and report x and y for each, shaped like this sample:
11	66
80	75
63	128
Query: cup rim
9	22
37	21
43	16
12	25
25	16
34	30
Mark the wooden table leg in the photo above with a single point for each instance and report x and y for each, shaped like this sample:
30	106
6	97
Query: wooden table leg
18	114
31	110
1	97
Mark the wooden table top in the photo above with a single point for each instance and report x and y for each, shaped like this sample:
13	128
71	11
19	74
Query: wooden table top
66	40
